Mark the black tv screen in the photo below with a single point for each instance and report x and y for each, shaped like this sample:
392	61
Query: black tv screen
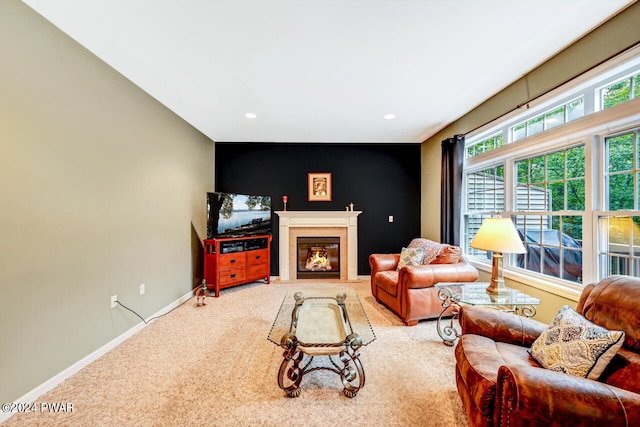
237	215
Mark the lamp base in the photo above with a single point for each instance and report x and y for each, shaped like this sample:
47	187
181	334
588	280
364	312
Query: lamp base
496	285
497	288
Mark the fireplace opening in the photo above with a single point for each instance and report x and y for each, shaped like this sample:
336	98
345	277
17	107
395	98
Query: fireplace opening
318	257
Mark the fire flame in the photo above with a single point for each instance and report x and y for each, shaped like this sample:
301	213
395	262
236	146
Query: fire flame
318	259
318	262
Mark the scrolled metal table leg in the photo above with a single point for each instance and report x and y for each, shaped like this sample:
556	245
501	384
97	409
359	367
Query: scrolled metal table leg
290	369
352	370
528	310
448	333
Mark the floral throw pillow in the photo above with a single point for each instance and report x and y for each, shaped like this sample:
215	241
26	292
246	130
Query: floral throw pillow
576	346
410	256
431	249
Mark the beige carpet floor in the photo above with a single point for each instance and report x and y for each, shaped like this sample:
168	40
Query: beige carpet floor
213	366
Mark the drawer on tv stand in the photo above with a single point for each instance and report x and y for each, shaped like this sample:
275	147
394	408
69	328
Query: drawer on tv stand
233	260
258	257
258	271
232	276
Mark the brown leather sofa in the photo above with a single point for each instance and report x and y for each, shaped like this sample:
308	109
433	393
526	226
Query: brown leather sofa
500	384
409	292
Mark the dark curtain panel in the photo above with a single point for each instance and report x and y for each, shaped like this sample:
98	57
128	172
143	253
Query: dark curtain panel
452	162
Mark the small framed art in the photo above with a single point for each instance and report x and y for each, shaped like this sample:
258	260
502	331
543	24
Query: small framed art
319	186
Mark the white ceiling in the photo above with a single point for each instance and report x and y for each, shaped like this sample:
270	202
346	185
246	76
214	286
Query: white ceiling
324	70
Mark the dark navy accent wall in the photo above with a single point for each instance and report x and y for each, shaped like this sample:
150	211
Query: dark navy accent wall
379	179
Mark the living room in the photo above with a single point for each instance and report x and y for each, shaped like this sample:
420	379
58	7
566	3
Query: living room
104	190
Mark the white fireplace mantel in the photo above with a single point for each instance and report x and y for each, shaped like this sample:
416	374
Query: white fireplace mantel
318	219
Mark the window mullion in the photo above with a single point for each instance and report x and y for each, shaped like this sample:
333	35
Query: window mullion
635	170
594	177
509	183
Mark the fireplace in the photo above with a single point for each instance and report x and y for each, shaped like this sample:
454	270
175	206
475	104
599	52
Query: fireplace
294	224
318	257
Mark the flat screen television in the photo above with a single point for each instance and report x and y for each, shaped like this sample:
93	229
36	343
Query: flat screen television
237	215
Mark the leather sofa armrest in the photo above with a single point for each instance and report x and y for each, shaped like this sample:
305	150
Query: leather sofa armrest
425	276
383	262
532	396
499	325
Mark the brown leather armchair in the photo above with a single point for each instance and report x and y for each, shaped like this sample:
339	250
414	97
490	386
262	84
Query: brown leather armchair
501	385
409	292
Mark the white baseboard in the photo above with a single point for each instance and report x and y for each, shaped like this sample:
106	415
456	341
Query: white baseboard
43	388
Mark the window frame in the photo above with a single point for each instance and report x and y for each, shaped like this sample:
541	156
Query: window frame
542	116
621	77
590	130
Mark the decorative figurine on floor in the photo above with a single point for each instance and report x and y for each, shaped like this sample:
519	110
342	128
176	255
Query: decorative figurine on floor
201	294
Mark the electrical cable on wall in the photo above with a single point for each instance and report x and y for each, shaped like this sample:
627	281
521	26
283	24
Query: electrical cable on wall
156	317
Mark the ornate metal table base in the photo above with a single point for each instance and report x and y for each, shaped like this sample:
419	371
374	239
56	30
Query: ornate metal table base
474	293
448	333
292	368
321	329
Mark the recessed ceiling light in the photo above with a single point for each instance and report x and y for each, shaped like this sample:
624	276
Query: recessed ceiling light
251	115
389	116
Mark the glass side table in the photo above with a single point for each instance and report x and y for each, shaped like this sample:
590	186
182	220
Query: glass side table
452	294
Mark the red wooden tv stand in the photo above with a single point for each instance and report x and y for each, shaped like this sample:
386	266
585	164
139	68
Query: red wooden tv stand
233	261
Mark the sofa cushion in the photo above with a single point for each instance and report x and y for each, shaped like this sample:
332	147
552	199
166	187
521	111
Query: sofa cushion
623	371
478	359
449	255
576	346
431	249
410	256
388	281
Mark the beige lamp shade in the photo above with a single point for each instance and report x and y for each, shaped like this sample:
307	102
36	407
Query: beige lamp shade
498	235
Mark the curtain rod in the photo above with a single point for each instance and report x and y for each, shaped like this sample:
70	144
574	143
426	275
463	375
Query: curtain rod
530	100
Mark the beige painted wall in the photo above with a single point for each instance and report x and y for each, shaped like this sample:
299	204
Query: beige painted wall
102	189
613	37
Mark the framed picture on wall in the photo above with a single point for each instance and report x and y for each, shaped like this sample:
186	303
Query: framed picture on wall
319	186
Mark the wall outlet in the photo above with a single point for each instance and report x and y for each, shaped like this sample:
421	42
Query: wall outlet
390	218
114	298
142	289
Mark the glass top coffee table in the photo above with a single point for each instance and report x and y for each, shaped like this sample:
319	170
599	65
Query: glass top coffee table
452	294
326	323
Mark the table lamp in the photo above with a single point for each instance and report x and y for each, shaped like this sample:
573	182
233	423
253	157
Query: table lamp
498	235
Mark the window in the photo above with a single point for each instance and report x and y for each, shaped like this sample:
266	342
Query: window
619	232
571	187
485	145
619	92
550	200
485	197
558	115
553	181
622	171
619	249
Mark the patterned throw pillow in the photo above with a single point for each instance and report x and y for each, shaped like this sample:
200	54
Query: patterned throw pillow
576	346
431	249
410	256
